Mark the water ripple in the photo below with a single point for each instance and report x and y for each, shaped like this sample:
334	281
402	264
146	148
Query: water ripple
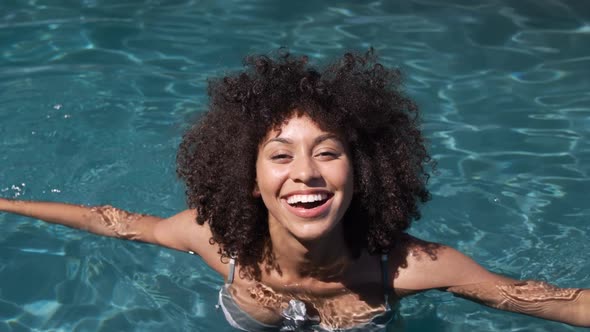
93	91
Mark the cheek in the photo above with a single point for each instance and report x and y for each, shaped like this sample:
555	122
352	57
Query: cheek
345	176
268	179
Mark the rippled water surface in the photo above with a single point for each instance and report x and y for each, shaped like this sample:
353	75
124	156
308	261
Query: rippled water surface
94	96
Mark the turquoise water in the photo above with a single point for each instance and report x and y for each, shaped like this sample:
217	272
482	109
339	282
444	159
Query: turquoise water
94	96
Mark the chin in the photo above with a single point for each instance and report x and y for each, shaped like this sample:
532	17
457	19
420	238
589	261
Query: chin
314	231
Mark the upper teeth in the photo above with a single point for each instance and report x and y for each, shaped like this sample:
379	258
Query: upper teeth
306	198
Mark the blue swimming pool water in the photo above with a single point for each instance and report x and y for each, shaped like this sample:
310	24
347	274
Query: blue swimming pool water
94	96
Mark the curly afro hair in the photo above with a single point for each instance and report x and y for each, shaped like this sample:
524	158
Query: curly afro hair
355	97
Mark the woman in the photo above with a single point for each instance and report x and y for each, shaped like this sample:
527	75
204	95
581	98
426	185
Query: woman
301	185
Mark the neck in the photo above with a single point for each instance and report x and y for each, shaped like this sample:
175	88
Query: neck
323	258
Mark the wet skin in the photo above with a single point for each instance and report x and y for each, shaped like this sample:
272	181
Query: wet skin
120	222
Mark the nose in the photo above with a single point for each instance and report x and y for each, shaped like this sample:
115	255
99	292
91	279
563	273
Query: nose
304	169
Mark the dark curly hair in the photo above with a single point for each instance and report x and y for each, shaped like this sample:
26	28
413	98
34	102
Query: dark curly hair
355	97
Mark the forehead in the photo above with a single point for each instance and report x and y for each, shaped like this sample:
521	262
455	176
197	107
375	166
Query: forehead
298	126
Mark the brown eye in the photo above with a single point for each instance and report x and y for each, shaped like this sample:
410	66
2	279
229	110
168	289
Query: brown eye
281	156
327	155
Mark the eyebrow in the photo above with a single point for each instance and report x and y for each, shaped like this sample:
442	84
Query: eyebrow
316	141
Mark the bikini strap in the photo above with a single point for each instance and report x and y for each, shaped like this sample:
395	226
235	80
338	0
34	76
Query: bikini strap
385	278
232	268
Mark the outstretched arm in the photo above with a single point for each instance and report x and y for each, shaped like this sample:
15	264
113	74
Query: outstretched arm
530	297
103	220
180	232
448	269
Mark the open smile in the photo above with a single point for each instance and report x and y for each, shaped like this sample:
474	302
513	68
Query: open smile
309	205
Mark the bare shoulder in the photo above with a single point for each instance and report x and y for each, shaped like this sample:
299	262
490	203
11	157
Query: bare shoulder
182	232
423	265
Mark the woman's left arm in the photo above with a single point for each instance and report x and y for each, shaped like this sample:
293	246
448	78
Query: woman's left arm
450	270
531	297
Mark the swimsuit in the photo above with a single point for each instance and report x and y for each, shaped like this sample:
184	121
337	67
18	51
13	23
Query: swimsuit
295	317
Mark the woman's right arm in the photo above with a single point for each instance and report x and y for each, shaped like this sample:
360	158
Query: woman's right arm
103	220
179	232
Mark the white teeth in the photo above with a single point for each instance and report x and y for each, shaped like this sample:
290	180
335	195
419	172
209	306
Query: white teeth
306	198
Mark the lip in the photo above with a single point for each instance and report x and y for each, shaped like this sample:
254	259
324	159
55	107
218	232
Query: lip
313	213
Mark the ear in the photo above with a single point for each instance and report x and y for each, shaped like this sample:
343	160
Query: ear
256	190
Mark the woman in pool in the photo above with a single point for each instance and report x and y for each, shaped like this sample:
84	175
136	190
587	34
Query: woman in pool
301	185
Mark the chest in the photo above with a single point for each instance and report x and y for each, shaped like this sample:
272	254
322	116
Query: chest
334	306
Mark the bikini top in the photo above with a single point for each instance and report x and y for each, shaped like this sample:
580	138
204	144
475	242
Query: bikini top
295	315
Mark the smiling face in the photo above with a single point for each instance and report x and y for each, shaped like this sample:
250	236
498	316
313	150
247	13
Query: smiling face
304	176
